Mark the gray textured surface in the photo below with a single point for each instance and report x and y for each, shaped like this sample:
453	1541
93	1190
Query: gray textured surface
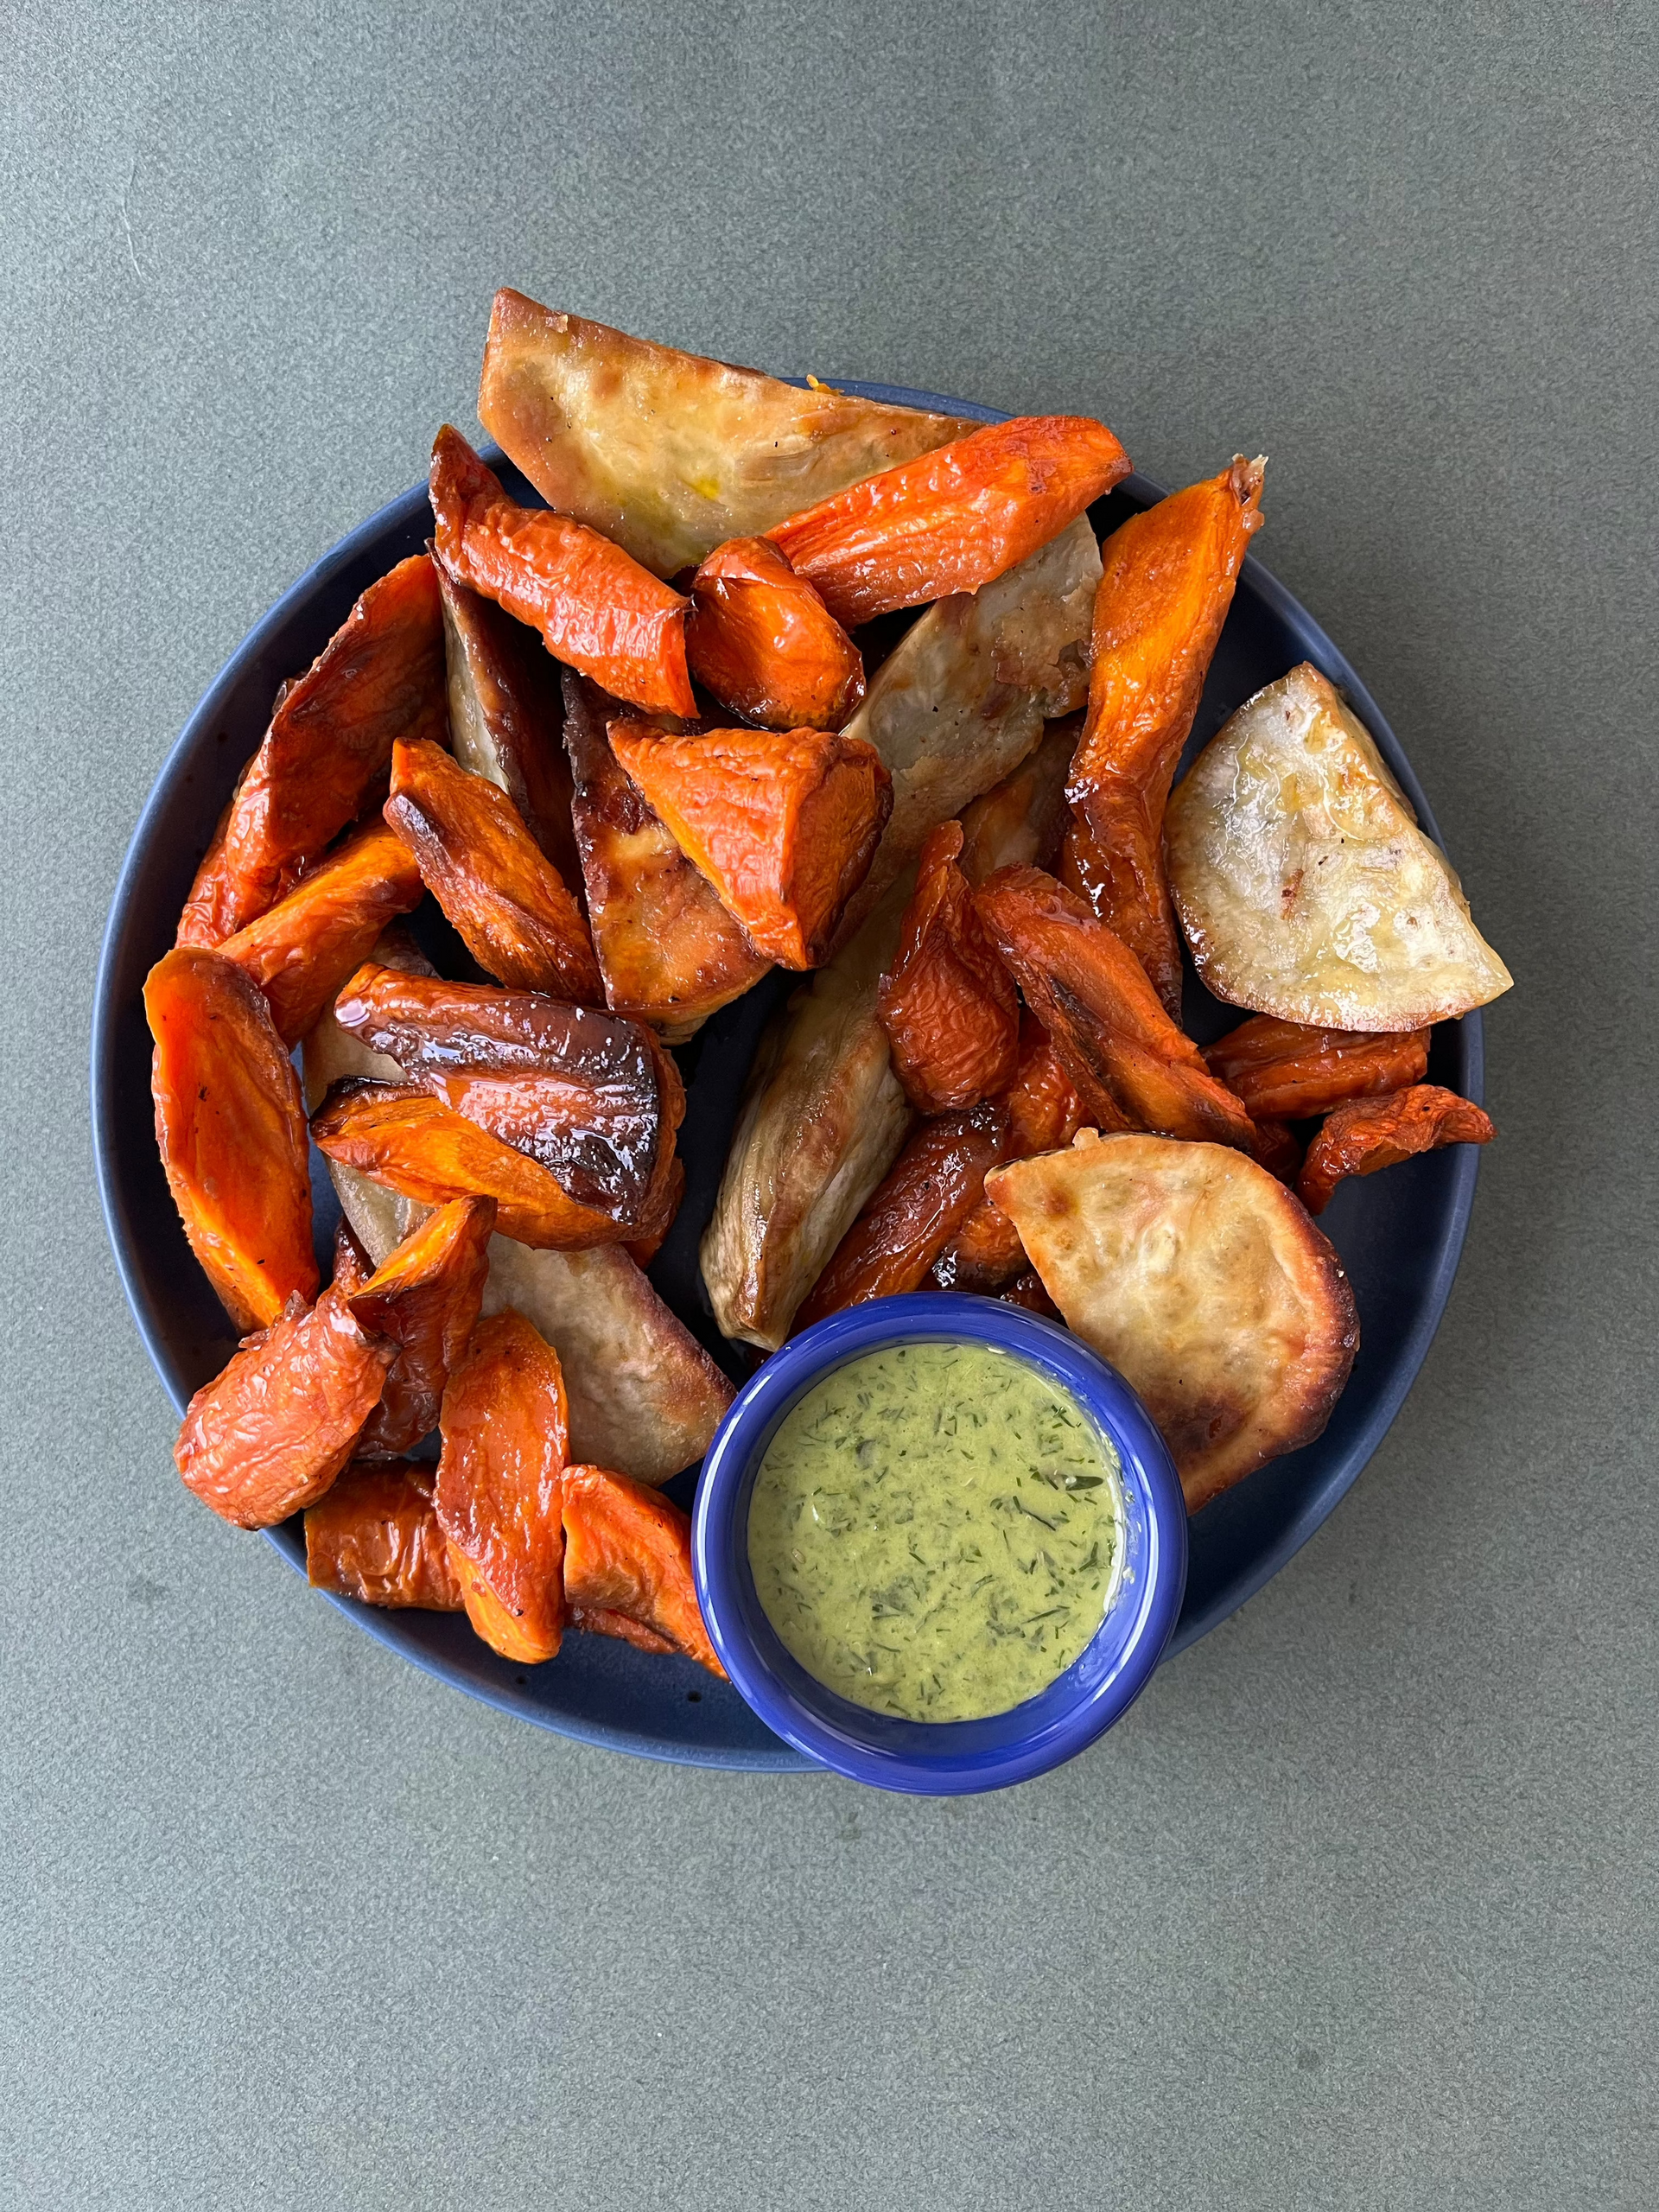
1358	1908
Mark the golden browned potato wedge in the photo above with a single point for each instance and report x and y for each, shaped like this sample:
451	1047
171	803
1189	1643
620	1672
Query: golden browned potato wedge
666	452
1303	883
823	1119
962	699
1204	1283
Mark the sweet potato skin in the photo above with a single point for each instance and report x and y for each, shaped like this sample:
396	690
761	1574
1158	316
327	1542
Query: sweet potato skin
761	639
936	1183
379	677
1284	1071
1167	584
491	879
953	519
506	1441
302	949
374	1536
948	1004
426	1299
627	1555
230	1124
1131	1066
268	1434
1364	1135
783	823
596	609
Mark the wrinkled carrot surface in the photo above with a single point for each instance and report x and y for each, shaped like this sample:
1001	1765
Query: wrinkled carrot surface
426	1299
1365	1134
506	1441
374	1536
933	1185
505	898
380	677
302	949
628	1554
1165	586
596	609
948	1003
1286	1071
230	1123
1043	1112
953	519
783	822
761	639
1132	1067
1277	1149
269	1433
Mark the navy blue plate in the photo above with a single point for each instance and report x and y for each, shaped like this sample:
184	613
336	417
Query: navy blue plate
1400	1234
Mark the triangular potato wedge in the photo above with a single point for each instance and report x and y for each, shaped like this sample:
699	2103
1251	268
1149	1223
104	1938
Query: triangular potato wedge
1303	883
669	453
1200	1279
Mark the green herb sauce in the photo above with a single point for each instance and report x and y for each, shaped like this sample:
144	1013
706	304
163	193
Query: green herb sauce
935	1531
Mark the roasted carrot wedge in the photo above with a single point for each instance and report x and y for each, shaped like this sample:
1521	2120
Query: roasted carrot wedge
764	643
426	1299
1368	1134
597	609
506	1438
783	822
1021	822
953	519
1043	1112
302	949
1165	586
505	713
937	1181
230	1123
668	951
1290	1072
374	1536
592	1096
1028	1291
1131	1065
402	1136
628	1554
948	1004
380	677
1277	1150
504	895
270	1431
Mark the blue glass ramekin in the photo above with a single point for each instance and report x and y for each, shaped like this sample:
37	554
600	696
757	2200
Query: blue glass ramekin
944	1758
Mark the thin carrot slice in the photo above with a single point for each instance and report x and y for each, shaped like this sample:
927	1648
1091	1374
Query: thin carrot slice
1368	1134
948	1004
783	823
426	1299
596	609
1288	1071
764	643
952	520
627	1553
374	1536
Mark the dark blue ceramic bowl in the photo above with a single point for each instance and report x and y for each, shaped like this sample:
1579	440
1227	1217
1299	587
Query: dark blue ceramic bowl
1399	1234
949	1758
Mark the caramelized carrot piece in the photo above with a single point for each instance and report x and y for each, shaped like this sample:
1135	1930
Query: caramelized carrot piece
426	1299
783	823
1044	1113
627	1557
374	1536
379	677
953	519
1290	1072
764	643
403	1137
1165	586
269	1433
506	1438
1027	1291
1131	1065
230	1123
935	1184
669	952
592	1096
491	879
1277	1149
600	1620
1021	822
948	1004
302	949
596	609
1365	1134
